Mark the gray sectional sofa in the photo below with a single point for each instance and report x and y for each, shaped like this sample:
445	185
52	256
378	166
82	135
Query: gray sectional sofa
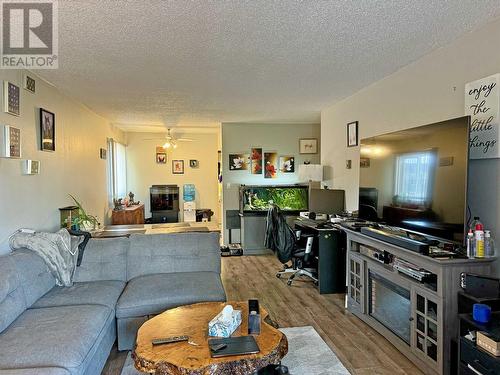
45	329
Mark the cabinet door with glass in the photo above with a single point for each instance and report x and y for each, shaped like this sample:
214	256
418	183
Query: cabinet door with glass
356	279
427	335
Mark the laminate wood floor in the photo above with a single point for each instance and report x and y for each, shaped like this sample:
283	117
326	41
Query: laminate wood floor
361	349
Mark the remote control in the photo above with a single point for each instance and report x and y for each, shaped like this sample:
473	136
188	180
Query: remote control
169	340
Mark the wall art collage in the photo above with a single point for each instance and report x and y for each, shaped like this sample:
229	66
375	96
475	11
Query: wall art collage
259	162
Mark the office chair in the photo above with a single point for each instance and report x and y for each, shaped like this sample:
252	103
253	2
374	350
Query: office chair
281	238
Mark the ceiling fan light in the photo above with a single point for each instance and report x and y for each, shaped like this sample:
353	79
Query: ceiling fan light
167	145
174	145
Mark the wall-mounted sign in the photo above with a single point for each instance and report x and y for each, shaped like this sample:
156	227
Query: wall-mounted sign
482	102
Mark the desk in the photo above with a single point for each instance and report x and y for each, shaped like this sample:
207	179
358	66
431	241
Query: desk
330	248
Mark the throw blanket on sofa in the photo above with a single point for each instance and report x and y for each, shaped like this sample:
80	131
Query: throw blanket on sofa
56	249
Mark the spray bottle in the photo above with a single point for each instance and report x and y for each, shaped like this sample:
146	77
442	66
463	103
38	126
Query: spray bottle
479	237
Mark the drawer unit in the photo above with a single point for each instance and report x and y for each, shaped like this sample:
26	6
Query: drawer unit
481	361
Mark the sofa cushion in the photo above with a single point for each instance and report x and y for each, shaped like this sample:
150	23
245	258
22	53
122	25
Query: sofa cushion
179	252
153	294
34	275
90	293
104	259
36	371
12	301
53	337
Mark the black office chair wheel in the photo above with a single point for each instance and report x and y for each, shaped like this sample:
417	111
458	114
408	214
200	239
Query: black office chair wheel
278	275
289	282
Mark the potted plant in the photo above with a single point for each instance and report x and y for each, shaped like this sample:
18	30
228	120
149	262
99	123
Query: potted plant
83	220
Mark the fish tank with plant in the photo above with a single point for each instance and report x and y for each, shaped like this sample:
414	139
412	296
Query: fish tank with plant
292	198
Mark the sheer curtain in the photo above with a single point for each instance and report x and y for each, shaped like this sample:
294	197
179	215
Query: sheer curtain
117	170
414	177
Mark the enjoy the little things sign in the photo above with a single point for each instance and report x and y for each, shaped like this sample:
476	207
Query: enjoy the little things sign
482	103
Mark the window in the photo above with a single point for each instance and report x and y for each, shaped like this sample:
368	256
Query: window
117	170
414	178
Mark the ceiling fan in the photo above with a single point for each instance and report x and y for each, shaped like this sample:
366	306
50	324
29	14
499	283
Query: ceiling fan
170	140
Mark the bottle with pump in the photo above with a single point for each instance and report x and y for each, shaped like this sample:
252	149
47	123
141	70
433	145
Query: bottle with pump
470	244
479	240
489	249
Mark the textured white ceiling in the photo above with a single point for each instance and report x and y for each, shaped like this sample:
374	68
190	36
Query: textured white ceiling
198	63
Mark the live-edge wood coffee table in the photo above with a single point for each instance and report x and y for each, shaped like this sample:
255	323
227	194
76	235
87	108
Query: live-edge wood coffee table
183	358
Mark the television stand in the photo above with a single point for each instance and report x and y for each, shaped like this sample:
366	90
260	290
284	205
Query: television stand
419	317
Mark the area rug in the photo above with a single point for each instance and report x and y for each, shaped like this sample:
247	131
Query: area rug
307	354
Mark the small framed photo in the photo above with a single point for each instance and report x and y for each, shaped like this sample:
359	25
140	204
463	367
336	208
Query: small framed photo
352	134
194	163
287	164
103	153
364	162
308	146
161	155
29	83
11	99
47	130
178	166
11	139
239	162
161	158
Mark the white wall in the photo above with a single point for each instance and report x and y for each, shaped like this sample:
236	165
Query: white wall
281	138
143	171
75	166
427	91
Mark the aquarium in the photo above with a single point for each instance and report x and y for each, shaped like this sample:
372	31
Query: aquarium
286	197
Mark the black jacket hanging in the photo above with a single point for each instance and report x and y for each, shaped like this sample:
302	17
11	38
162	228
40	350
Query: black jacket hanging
279	236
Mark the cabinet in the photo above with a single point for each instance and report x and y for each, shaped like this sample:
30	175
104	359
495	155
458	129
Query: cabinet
355	293
128	215
427	329
418	318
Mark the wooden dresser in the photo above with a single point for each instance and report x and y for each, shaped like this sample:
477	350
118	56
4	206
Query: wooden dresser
128	215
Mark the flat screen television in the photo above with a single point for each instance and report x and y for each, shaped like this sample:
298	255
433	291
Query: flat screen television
417	178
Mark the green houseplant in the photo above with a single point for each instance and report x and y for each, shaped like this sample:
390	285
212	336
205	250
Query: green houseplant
83	220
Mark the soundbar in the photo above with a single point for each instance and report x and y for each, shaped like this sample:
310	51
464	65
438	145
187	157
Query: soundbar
394	239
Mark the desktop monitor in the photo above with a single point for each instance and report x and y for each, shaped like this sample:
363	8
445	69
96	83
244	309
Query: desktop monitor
327	201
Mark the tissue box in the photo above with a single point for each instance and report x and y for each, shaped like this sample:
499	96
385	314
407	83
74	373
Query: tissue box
220	328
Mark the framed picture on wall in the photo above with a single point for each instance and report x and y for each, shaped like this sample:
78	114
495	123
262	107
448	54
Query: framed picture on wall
161	155
11	98
178	166
256	160
47	130
29	83
352	134
308	146
270	164
239	162
287	164
364	162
